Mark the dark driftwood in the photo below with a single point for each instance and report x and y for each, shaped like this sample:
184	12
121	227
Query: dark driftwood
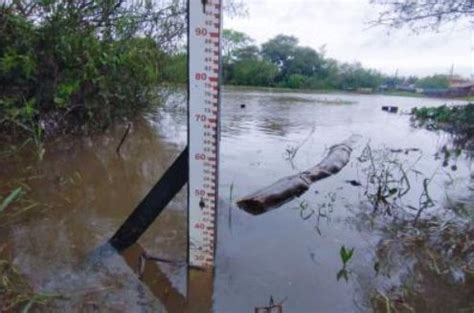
293	186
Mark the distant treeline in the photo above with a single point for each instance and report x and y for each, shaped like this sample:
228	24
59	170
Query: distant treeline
282	62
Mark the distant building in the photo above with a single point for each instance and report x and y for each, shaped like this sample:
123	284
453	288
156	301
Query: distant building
458	87
460	90
466	88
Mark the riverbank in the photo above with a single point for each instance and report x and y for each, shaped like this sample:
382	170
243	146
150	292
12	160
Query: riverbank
344	92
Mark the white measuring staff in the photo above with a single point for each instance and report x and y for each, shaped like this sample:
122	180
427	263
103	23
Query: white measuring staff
203	129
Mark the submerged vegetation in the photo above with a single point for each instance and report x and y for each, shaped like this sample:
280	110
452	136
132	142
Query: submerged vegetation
14	211
388	180
458	120
437	261
425	250
346	256
421	235
10	198
15	293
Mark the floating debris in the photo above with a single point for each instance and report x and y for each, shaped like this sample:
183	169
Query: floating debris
354	183
390	109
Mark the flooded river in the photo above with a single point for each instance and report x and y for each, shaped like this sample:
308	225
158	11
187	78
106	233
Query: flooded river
80	193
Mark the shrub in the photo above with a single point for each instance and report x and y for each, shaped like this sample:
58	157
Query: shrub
62	72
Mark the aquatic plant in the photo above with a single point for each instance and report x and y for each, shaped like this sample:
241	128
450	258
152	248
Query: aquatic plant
16	203
15	293
458	120
346	256
386	181
291	151
304	206
458	115
10	198
440	251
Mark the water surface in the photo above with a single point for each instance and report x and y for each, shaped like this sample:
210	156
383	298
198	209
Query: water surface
84	191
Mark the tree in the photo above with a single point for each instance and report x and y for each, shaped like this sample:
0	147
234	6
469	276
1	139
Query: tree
232	41
423	14
235	46
254	72
174	68
295	81
291	59
305	61
280	50
251	52
294	66
329	74
353	76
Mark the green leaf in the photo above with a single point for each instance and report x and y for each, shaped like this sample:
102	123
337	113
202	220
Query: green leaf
11	197
349	255
346	255
343	254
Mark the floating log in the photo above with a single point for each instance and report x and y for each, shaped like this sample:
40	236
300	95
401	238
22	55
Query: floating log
293	186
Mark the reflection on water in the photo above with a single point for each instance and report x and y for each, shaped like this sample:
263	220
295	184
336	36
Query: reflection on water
85	190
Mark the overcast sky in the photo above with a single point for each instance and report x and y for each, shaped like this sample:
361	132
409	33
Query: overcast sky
342	26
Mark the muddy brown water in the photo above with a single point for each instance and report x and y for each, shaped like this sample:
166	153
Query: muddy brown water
82	191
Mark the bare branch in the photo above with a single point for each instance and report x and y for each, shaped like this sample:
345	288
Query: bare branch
423	14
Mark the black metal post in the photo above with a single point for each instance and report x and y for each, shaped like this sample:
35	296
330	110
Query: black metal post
153	204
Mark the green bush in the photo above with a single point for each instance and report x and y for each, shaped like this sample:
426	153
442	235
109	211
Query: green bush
63	74
254	73
174	68
296	81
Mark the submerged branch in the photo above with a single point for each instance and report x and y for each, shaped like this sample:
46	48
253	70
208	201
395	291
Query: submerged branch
123	138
